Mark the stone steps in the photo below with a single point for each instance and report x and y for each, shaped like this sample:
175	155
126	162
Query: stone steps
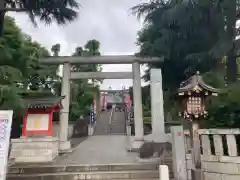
102	123
118	123
134	171
34	169
87	175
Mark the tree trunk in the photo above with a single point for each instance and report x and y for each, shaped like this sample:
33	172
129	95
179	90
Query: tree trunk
231	30
2	14
231	67
1	23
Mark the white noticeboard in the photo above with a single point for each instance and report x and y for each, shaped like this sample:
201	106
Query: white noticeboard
37	122
5	129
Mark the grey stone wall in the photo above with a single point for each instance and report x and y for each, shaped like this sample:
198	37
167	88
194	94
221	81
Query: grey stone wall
220	160
31	150
217	167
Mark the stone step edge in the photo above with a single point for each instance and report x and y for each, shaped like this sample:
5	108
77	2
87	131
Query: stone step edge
82	165
156	178
89	167
83	173
66	168
77	169
35	170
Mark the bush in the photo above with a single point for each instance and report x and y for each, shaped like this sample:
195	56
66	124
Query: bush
224	111
147	114
147	120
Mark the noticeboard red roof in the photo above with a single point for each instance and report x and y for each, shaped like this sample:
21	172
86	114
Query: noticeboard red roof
42	100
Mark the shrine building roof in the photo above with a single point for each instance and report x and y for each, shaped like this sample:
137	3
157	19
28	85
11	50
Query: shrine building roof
42	100
196	81
47	102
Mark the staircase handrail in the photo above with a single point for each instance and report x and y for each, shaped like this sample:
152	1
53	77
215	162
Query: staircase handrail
110	118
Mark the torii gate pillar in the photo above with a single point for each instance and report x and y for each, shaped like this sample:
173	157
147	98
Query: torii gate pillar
138	113
157	111
64	144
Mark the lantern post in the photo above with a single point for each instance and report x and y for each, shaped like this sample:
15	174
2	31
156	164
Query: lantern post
193	93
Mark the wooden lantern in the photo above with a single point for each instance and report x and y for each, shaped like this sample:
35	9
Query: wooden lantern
193	93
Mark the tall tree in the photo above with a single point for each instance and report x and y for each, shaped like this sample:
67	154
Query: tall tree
55	49
231	18
19	67
208	26
82	90
47	10
183	33
230	12
92	47
190	35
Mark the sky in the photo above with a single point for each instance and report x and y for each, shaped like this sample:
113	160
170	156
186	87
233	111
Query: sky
108	21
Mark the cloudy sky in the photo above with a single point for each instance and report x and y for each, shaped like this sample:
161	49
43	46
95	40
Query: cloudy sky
108	21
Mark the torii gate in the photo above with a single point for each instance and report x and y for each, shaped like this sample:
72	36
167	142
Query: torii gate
67	61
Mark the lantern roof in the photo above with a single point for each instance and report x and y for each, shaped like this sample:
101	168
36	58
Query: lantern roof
42	100
196	83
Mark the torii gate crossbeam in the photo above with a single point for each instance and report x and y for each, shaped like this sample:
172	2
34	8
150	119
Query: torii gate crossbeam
124	59
101	75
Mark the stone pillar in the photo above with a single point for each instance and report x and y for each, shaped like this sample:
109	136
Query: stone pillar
63	134
138	113
163	172
157	102
178	153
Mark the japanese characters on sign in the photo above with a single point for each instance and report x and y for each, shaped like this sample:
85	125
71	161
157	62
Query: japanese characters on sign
92	115
5	129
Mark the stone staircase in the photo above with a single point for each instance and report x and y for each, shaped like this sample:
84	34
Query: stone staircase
137	171
118	123
102	124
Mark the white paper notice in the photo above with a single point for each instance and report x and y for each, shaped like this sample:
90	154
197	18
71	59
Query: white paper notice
37	122
5	129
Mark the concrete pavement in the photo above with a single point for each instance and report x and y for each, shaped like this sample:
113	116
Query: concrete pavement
100	150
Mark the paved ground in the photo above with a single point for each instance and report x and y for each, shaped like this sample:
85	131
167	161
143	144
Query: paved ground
76	141
107	146
100	150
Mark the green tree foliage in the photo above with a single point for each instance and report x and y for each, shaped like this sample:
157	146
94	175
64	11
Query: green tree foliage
20	71
83	90
232	16
180	32
56	49
47	11
224	111
19	66
192	36
202	31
